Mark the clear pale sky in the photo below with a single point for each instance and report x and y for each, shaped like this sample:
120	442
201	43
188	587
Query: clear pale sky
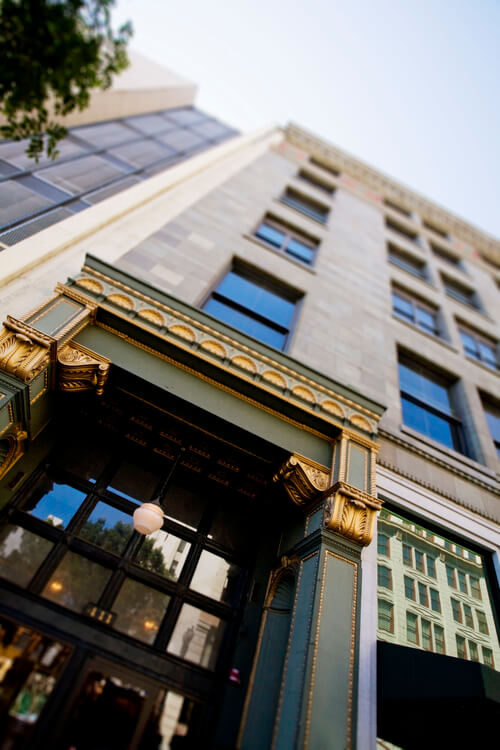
410	86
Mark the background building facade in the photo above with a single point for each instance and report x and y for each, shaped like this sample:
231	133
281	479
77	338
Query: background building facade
297	341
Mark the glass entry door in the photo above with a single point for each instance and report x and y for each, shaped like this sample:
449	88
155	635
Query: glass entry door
117	709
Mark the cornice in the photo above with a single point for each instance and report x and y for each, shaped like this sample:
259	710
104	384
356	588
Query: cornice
390	188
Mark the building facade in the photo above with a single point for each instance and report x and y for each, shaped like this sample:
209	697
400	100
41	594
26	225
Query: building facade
300	358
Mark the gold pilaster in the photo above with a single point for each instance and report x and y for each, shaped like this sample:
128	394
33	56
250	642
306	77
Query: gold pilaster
11	447
24	351
351	512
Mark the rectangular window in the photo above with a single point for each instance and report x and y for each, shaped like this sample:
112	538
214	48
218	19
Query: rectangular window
419	561
435	600
462	582
255	305
415	312
461	293
423	596
488	657
305	205
439	639
409	588
473	651
403	231
442	254
412	628
287	240
413	265
475	587
426	635
468	616
451	576
407	556
431	566
427	404
481	622
461	648
492	414
456	608
322	165
385	616
384	577
396	207
383	545
315	182
441	232
479	347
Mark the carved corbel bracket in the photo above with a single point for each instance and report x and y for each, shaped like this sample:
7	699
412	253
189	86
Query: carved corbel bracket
11	447
24	352
302	479
351	512
81	369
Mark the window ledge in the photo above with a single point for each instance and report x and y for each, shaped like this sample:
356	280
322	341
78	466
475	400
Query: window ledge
281	254
429	336
480	364
302	214
448	452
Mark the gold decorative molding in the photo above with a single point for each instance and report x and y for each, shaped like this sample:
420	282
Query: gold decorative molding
183	332
152	316
214	348
81	369
11	447
24	352
91	285
121	300
302	479
245	363
351	512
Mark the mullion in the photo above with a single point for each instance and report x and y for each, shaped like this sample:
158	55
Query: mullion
429	408
250	313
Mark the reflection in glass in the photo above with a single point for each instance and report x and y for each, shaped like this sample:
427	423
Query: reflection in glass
108	527
164	554
30	664
215	577
76	582
197	636
451	603
21	554
173	722
134	482
54	503
139	610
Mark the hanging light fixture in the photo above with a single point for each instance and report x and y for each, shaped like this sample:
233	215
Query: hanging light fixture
149	516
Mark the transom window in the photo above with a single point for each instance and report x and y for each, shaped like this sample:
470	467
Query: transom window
256	305
409	263
305	205
287	240
415	311
479	347
70	540
427	404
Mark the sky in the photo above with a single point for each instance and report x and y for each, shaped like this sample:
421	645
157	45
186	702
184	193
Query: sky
412	87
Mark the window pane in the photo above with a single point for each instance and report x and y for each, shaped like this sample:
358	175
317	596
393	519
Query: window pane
469	344
385	616
426	320
164	554
21	554
58	503
76	582
197	636
271	235
299	250
174	719
402	306
254	297
105	134
81	174
108	527
487	353
215	577
245	323
139	610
